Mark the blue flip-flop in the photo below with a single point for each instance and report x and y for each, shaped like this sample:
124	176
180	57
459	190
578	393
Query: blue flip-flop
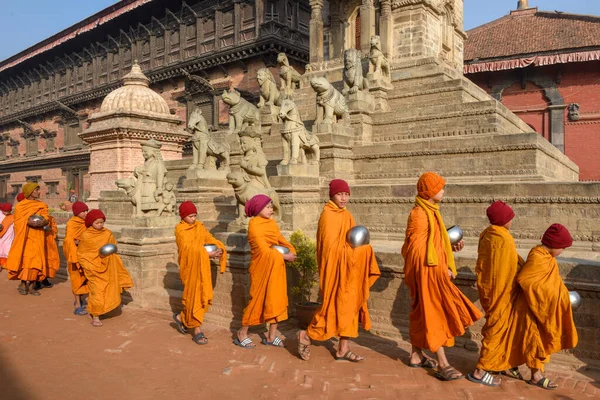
180	327
80	311
244	343
487	379
276	342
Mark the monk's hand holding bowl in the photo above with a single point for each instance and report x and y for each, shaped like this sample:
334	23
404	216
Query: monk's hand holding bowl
289	257
215	254
458	246
451	274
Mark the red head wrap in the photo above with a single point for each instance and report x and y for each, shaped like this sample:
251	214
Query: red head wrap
429	185
6	207
20	197
338	186
255	205
92	216
187	208
500	213
79	207
557	237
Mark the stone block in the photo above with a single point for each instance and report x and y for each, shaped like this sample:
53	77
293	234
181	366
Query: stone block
298	170
360	101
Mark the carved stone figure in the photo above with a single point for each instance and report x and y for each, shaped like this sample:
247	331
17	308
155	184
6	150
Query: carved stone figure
168	199
296	139
331	104
244	190
573	111
146	187
269	94
290	78
206	150
377	58
353	72
253	162
241	113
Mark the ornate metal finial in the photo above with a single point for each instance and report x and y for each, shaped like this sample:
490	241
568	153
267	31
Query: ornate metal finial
522	4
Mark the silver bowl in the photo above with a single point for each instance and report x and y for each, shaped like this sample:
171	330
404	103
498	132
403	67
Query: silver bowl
1	227
455	234
210	247
575	300
36	221
358	236
281	249
108	249
47	228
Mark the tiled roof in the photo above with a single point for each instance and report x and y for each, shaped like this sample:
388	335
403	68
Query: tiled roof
529	31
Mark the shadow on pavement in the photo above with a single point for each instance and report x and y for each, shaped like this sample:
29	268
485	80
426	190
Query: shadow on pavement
11	387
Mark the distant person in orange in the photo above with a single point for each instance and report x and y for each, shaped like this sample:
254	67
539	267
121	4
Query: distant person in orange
106	275
52	257
7	232
543	308
75	228
268	281
439	310
27	256
346	275
195	270
497	267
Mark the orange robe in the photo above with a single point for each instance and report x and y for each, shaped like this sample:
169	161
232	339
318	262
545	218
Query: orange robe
74	230
52	257
268	283
106	276
195	270
345	278
497	266
439	310
6	237
543	312
27	256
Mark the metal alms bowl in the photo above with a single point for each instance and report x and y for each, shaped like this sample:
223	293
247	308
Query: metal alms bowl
358	236
455	234
281	249
36	221
210	247
108	249
575	300
1	227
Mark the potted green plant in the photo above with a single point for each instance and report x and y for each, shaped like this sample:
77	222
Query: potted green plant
308	272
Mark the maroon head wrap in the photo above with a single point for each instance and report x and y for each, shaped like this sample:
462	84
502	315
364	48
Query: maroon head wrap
255	205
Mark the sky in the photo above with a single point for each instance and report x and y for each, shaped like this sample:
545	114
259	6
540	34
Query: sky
24	23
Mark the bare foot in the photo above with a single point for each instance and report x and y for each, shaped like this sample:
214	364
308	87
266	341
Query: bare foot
96	322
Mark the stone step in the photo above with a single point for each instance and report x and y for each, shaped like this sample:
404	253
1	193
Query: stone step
486	157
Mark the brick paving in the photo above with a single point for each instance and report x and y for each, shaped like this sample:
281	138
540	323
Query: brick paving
48	353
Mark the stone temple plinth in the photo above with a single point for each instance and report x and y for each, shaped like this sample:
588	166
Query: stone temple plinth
128	116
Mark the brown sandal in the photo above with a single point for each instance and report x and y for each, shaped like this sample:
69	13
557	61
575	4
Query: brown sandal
350	356
448	373
303	349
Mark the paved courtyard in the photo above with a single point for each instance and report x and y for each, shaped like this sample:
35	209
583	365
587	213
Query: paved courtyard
48	353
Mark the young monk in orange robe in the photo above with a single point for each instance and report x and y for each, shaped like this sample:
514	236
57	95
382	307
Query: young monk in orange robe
106	276
543	308
75	228
195	271
7	233
439	311
346	275
497	266
268	281
27	256
51	254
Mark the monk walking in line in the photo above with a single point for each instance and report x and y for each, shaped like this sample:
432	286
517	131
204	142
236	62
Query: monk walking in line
268	282
74	230
346	275
497	267
544	317
106	275
439	310
7	233
195	270
27	260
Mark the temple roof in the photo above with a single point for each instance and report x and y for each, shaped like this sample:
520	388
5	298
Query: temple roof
531	31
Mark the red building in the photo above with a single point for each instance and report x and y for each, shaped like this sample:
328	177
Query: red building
545	67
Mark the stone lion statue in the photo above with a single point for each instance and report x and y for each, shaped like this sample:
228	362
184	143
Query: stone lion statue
269	94
377	58
353	72
244	190
296	139
331	104
241	113
290	78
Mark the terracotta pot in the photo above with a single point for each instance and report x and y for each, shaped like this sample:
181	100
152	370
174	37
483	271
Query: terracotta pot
304	313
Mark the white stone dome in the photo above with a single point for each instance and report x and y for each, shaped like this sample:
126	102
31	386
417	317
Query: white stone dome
135	95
